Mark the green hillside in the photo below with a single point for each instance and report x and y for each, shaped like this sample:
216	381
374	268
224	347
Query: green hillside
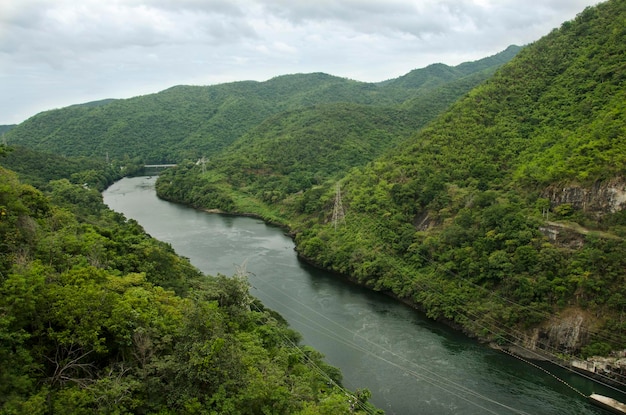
38	169
98	317
296	149
506	214
163	338
188	122
497	206
5	128
288	153
439	74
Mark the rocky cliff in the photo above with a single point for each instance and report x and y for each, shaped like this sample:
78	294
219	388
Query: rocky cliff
600	198
566	333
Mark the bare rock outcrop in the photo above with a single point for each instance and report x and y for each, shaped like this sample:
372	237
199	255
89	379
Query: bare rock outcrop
565	333
601	198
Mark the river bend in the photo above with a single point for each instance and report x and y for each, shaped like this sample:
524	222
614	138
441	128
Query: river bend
411	364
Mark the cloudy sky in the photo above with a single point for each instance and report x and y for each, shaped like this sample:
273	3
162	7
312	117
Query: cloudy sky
55	53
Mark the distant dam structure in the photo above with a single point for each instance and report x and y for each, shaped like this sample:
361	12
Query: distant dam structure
156	168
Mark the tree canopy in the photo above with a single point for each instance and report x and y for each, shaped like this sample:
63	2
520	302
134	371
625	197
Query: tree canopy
460	216
189	122
98	317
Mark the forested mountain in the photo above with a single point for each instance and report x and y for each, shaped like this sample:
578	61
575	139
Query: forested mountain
5	128
38	169
189	122
95	316
504	216
98	317
439	74
291	152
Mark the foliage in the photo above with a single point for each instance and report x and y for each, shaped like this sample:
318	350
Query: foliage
97	317
5	128
446	202
186	122
450	218
451	221
39	168
300	148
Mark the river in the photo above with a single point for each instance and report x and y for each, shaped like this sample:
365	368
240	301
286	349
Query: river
411	364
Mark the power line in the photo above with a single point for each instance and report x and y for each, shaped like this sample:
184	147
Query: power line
430	377
510	335
242	272
352	399
339	216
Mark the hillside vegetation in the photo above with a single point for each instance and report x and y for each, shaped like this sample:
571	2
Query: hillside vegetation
499	208
190	122
38	169
462	221
95	316
289	153
98	317
504	216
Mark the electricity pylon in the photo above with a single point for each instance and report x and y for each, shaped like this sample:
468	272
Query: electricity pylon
339	215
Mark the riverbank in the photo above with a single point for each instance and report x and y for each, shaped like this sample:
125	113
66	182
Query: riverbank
526	344
406	360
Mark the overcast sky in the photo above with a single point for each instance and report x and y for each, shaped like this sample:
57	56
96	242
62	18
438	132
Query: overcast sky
55	53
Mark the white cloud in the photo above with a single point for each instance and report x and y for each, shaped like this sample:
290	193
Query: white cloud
60	52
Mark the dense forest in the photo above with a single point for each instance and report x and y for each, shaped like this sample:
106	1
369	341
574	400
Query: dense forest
190	122
503	216
39	168
490	195
98	317
95	316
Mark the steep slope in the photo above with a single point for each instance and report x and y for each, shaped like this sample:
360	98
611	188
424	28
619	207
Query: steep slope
462	221
98	317
289	153
438	74
297	149
37	168
191	121
180	122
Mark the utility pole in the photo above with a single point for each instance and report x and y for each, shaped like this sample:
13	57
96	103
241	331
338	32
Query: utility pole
339	215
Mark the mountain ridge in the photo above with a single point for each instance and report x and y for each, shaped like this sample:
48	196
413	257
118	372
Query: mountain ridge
190	121
456	221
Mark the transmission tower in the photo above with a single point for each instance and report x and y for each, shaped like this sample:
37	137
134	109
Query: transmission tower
339	215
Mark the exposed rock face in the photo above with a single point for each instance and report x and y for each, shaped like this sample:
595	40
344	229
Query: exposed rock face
422	221
567	333
601	198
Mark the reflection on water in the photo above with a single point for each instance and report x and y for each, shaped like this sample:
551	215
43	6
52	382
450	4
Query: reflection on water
411	364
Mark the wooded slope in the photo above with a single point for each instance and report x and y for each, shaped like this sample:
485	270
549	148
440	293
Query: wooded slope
507	213
189	122
98	317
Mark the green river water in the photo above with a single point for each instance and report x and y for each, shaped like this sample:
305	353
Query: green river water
411	364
